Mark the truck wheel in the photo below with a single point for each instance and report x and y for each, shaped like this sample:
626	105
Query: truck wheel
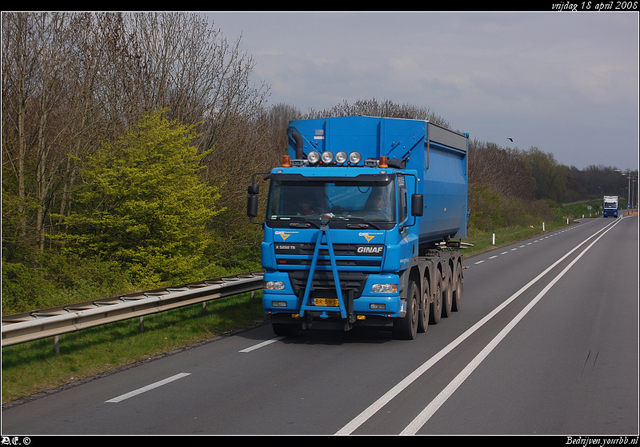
284	330
457	289
447	294
436	307
423	319
406	328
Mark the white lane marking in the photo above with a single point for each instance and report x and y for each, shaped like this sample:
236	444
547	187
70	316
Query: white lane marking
398	388
260	345
441	398
147	388
529	243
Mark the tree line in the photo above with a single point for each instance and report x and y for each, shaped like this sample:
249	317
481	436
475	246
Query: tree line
128	141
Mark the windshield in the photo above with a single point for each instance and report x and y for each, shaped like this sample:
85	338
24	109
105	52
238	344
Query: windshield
610	205
363	201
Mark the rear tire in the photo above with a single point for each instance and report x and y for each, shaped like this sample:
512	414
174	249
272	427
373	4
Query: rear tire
457	289
423	319
447	293
407	327
436	307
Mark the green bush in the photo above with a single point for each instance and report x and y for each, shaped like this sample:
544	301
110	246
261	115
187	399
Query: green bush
23	289
142	203
58	279
486	209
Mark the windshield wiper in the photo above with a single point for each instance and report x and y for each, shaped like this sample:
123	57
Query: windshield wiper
306	224
361	223
360	226
301	222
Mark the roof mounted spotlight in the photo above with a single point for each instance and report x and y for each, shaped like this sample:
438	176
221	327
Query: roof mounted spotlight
355	157
313	157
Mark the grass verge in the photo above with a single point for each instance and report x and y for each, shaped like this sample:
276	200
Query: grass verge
484	242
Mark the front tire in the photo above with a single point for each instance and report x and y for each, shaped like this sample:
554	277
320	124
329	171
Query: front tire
407	327
285	330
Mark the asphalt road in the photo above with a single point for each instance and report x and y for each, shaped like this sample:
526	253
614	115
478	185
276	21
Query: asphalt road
546	342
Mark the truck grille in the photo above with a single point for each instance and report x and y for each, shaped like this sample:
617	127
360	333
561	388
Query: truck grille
352	255
348	256
324	286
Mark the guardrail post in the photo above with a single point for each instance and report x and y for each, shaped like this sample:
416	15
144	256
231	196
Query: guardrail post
56	344
141	325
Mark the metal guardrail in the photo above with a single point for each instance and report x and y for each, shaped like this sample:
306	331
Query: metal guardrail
34	325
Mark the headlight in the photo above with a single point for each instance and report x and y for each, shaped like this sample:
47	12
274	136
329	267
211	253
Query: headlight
327	157
384	288
355	157
313	157
341	157
274	285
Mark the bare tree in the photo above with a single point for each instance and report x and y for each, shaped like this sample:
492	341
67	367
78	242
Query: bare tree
384	108
73	79
502	168
51	39
19	62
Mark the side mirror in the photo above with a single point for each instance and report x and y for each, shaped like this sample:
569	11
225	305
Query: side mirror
252	200
252	197
417	204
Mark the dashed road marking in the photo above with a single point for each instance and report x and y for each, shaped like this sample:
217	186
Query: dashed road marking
147	388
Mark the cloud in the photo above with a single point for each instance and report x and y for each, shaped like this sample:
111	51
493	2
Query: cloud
546	77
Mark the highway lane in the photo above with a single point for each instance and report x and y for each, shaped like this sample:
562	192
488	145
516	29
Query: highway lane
570	365
492	405
567	366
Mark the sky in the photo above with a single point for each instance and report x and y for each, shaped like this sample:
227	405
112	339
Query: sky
564	82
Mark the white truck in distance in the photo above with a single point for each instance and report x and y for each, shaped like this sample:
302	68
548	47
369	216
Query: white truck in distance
610	207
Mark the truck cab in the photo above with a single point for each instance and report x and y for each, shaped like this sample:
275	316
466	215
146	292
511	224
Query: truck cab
367	212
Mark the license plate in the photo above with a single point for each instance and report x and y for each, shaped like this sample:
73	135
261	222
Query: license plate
326	302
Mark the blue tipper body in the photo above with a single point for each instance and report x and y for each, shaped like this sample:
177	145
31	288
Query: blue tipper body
331	253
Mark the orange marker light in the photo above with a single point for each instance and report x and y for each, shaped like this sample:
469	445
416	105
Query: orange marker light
286	161
383	162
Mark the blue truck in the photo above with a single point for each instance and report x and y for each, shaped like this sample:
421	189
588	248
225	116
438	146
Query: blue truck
363	225
610	206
